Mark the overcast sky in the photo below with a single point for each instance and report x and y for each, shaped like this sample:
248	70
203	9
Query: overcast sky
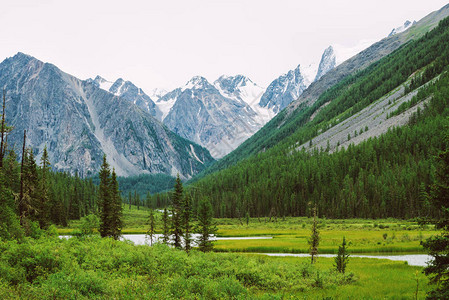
165	43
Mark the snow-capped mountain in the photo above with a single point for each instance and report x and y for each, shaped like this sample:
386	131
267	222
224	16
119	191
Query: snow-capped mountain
284	90
157	94
130	92
79	122
327	63
239	88
288	87
402	28
215	116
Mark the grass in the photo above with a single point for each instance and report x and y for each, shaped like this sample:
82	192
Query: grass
95	268
290	234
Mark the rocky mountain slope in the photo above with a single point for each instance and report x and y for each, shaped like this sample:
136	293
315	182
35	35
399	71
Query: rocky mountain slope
78	121
297	114
130	92
199	112
288	87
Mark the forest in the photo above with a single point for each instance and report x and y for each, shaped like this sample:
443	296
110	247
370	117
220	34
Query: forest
402	174
382	177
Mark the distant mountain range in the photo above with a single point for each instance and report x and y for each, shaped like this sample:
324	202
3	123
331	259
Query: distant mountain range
223	114
79	122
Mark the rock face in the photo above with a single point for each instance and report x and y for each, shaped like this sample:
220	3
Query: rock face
130	92
327	63
78	121
288	87
283	90
220	121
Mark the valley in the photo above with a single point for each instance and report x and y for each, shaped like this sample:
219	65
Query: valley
329	181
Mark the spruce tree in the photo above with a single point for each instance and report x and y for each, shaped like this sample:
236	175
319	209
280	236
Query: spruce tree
177	213
104	197
186	216
314	240
43	213
438	246
116	208
165	227
342	258
205	225
152	227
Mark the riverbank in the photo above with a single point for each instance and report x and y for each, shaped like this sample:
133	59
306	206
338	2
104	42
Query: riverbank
290	234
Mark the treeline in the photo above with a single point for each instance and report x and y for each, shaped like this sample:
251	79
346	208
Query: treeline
32	196
142	184
349	96
381	177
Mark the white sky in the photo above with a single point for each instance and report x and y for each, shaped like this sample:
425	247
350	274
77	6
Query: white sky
164	43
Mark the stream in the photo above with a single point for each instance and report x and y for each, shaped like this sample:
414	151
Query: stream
411	259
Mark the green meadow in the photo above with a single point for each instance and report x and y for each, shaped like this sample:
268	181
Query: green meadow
95	268
289	235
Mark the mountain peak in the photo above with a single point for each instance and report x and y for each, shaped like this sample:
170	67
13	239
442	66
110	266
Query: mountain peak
407	24
327	63
197	82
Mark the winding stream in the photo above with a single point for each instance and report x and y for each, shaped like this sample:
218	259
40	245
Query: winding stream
411	259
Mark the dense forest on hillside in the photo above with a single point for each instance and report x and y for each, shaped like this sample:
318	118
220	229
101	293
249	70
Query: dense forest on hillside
37	196
382	177
347	97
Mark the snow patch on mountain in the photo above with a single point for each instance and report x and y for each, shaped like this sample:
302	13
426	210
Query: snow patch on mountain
309	72
407	24
157	93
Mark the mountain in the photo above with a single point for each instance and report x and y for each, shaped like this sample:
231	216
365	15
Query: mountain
243	89
407	25
298	113
288	87
157	93
239	88
78	122
283	90
327	63
199	112
130	92
348	152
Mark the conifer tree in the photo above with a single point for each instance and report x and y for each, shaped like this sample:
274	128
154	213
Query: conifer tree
186	216
165	227
342	258
205	225
438	246
152	226
177	213
314	240
43	213
116	208
104	197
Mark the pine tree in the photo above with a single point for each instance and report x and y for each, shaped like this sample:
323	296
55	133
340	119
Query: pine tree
165	228
116	208
205	225
186	223
152	228
43	213
314	240
177	213
104	197
438	246
342	258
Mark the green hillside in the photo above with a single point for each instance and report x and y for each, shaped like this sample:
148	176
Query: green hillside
382	177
